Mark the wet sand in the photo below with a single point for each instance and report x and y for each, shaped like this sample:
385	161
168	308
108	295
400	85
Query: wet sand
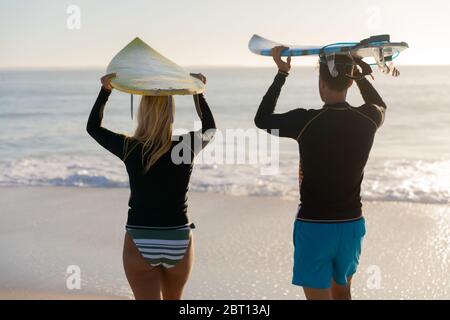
243	246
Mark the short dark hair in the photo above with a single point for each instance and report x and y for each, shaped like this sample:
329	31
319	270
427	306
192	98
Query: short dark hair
341	82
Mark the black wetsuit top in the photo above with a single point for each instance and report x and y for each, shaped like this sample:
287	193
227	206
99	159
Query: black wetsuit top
158	198
334	144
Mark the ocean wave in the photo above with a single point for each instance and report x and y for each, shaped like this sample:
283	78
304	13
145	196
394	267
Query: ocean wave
406	180
63	171
395	180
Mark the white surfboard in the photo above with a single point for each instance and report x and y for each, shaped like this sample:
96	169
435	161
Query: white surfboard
142	70
262	46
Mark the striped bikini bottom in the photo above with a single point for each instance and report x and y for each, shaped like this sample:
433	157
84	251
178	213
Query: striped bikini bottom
161	246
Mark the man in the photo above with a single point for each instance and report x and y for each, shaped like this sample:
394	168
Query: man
334	144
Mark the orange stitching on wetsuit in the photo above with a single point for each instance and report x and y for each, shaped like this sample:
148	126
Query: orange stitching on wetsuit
382	111
365	116
126	155
308	123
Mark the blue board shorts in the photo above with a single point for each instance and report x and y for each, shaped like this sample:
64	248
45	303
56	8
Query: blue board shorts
326	251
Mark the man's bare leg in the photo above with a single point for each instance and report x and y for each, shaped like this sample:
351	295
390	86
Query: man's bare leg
317	294
339	292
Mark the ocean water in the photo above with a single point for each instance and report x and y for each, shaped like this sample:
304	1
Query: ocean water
43	141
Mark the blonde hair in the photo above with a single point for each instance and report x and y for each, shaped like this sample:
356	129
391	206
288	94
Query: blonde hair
154	129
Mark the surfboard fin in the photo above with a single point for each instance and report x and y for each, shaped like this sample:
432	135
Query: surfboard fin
377	38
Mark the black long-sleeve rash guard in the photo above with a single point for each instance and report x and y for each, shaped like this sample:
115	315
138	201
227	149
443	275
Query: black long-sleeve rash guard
334	145
158	198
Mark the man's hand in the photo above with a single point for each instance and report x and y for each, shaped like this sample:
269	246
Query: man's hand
282	66
366	69
106	81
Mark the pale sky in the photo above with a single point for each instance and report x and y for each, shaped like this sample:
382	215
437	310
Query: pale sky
212	32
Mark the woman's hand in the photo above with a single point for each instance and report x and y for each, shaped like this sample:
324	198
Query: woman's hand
106	81
282	66
199	76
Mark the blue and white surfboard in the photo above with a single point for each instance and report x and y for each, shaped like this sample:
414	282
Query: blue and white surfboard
362	49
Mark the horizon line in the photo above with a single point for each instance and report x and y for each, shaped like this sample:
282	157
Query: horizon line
218	66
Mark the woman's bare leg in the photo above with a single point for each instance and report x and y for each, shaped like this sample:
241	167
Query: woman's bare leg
174	279
145	280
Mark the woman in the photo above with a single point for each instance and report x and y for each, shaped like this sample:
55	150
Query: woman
158	249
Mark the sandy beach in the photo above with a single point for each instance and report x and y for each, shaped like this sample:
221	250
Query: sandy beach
243	246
